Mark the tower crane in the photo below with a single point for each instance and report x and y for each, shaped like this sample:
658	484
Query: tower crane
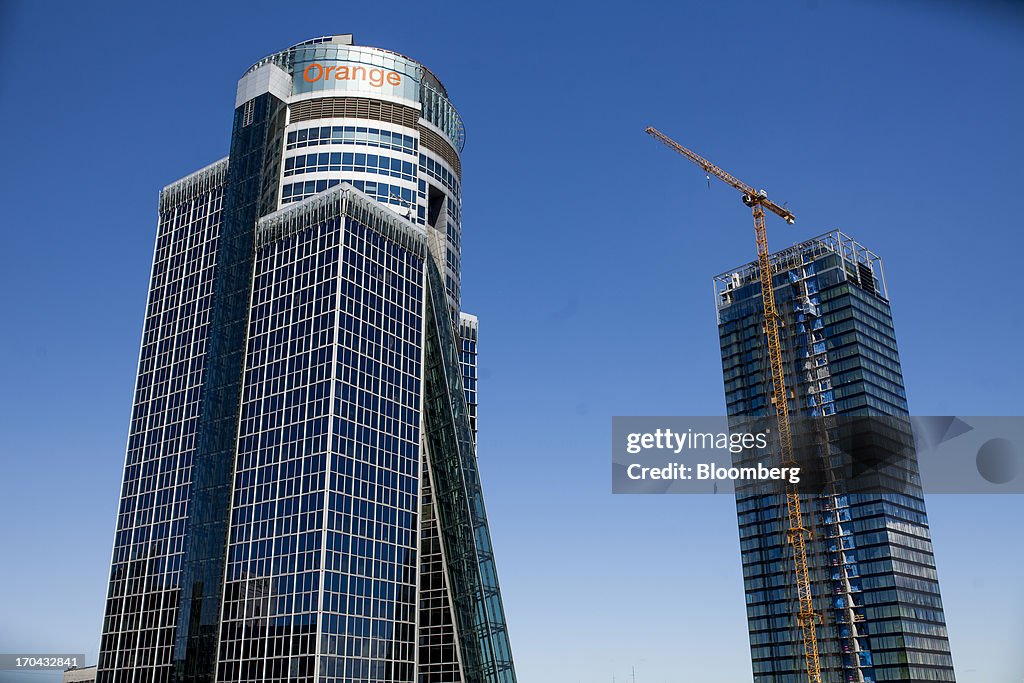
797	532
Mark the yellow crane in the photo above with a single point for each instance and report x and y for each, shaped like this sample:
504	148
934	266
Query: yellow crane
797	532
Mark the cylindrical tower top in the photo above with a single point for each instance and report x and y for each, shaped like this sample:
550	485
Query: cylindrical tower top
335	66
373	118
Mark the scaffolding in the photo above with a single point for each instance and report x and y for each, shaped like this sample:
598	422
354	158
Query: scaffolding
860	265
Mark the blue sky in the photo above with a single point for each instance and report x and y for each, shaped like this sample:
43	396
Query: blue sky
588	253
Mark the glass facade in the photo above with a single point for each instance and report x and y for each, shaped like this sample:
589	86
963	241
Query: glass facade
872	568
469	328
301	500
255	147
482	635
144	593
322	547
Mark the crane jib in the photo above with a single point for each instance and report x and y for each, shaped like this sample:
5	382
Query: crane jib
755	196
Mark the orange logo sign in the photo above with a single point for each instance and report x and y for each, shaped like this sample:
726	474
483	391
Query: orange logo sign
377	77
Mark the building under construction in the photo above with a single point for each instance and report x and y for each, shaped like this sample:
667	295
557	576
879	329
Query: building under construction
872	575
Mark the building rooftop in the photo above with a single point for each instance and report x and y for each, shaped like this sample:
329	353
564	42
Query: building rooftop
345	39
80	674
859	259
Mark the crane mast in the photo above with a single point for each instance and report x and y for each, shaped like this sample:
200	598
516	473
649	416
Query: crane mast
797	532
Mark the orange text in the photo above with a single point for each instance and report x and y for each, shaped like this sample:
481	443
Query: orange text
377	77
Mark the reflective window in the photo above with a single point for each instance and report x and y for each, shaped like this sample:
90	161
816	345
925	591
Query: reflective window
382	192
351	162
350	135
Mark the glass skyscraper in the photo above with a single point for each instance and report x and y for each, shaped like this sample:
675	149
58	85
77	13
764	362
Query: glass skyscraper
301	500
872	569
